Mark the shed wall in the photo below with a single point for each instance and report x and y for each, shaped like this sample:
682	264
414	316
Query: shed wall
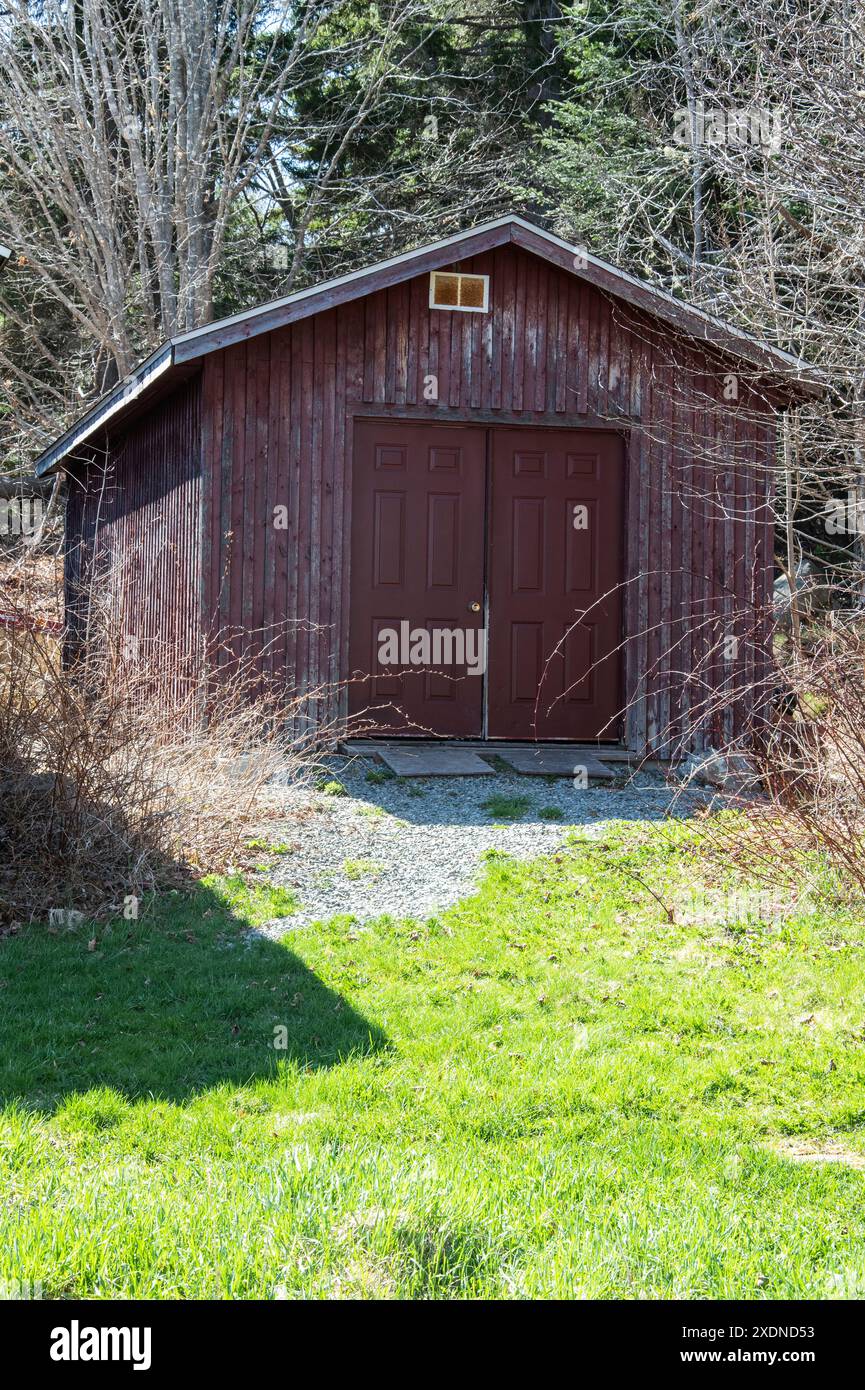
133	526
277	430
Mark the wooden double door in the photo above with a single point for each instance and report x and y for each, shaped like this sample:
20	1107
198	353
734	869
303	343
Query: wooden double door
509	538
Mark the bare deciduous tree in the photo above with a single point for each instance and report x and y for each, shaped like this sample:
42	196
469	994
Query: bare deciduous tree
131	131
154	149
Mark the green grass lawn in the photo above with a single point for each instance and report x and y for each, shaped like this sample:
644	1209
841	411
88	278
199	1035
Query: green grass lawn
550	1091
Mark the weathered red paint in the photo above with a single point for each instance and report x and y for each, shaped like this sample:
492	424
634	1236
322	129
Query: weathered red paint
133	518
277	424
417	563
554	589
31	623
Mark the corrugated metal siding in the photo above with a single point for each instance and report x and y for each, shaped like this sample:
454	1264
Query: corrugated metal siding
278	416
133	525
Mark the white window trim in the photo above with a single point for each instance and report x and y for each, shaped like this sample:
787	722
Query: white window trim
460	308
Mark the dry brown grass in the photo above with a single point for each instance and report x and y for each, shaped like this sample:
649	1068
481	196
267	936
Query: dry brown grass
812	757
33	580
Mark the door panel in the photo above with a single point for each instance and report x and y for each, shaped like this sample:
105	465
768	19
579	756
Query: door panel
552	672
417	559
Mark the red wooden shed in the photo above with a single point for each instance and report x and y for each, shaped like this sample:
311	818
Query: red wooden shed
545	481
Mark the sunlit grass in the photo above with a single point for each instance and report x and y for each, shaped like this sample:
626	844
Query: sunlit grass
550	1091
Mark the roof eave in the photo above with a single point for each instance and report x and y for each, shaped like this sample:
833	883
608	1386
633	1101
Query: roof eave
796	377
281	312
686	318
107	409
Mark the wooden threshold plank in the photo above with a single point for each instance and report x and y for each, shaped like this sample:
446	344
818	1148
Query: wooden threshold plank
547	760
432	761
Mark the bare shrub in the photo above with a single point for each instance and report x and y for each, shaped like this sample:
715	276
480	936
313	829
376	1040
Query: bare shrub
108	787
794	773
811	756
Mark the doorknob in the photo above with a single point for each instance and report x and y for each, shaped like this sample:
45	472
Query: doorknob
474	607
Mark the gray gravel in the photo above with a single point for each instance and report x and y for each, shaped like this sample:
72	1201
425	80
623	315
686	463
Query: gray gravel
412	847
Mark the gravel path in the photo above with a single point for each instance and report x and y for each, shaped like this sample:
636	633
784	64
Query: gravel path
412	847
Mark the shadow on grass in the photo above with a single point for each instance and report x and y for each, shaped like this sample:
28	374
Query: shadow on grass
172	1005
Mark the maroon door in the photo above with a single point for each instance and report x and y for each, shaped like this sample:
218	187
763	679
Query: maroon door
552	672
417	565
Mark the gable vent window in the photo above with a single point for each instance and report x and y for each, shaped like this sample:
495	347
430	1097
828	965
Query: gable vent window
470	293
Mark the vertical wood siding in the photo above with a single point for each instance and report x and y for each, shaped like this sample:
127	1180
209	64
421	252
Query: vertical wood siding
271	422
133	527
278	428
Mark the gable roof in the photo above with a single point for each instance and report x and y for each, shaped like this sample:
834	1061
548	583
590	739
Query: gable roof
176	359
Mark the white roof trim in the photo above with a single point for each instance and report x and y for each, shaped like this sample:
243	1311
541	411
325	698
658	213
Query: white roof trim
405	258
512	219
